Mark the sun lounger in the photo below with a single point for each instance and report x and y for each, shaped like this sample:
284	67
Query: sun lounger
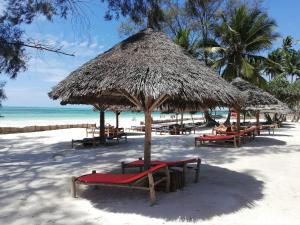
235	138
269	127
86	141
184	164
144	181
97	140
117	136
137	128
243	133
250	132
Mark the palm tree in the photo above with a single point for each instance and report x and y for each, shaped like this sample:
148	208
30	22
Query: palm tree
273	65
292	64
284	61
183	38
291	58
2	93
239	40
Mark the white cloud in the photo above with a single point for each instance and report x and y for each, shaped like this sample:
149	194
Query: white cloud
51	67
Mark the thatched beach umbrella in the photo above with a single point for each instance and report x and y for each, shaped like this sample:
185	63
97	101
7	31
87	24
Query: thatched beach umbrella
258	100
117	109
147	70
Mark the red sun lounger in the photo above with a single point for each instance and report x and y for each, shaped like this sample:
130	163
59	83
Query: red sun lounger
180	163
135	181
215	138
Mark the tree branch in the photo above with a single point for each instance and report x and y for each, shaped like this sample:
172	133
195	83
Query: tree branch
42	47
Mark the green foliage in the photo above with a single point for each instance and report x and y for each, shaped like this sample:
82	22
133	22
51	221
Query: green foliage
12	41
284	61
137	11
2	93
241	37
273	64
25	11
182	38
12	53
285	91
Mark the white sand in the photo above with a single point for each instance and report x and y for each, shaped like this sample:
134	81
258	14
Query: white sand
258	183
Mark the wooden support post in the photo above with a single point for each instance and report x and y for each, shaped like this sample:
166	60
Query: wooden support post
151	189
181	123
73	187
257	122
197	170
117	119
147	142
102	127
238	120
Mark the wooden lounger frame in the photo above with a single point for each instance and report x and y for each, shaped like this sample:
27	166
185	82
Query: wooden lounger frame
183	165
269	128
93	141
236	141
134	185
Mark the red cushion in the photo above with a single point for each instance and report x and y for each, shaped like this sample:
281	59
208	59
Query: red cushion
249	130
105	178
215	137
116	178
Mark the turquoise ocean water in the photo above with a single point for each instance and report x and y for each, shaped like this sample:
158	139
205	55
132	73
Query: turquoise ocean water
13	113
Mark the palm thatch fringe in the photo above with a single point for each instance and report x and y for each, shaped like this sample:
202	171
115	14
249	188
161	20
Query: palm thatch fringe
257	99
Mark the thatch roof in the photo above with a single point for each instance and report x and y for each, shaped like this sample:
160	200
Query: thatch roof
146	64
257	99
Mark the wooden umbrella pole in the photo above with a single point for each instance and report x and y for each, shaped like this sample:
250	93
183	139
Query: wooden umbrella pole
181	123
257	122
149	106
117	119
102	127
257	118
238	119
147	143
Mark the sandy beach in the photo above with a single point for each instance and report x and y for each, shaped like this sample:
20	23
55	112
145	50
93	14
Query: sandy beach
257	183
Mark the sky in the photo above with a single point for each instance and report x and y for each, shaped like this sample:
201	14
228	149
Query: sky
87	39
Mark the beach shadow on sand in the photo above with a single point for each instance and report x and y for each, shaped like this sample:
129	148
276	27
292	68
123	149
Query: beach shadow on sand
219	191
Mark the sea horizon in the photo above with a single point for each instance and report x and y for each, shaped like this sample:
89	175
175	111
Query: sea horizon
32	115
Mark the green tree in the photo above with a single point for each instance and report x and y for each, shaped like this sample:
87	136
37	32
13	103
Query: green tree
284	90
204	16
139	11
2	93
13	44
13	41
284	61
241	37
273	65
291	58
